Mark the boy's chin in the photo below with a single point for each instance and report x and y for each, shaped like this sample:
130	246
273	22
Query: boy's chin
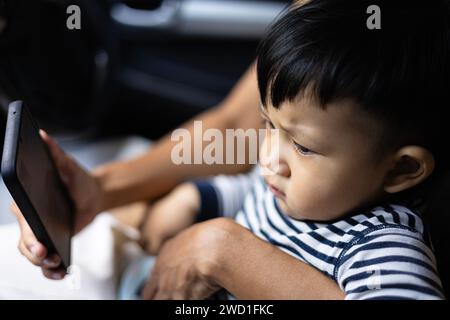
293	213
282	205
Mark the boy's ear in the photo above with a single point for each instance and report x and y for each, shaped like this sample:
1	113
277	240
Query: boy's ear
411	166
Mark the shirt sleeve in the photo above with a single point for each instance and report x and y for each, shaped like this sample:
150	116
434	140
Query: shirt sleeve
389	264
223	195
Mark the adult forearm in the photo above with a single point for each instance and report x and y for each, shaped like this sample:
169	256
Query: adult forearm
154	173
251	268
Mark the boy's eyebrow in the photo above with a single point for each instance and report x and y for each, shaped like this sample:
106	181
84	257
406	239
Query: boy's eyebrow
295	132
290	131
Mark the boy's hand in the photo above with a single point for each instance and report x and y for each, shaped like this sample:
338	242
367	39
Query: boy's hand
87	196
169	216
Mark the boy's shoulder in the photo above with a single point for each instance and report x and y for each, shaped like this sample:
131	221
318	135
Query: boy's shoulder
386	218
389	244
380	229
385	230
395	216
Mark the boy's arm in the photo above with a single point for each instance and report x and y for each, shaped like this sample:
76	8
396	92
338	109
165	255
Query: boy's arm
223	195
154	173
192	202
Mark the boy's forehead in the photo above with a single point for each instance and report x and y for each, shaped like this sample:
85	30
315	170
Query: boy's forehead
344	116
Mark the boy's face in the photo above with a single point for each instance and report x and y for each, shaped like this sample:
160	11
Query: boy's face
327	163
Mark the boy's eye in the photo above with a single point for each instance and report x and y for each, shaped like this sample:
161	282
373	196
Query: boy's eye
303	150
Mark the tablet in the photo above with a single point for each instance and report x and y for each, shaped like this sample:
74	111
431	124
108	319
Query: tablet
31	177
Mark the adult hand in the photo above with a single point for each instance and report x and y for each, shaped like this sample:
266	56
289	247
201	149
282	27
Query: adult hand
220	253
86	194
186	263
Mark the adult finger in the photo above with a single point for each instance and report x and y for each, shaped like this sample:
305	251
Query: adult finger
63	162
151	287
36	257
54	274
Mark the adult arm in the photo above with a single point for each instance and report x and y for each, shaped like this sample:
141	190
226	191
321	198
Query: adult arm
251	268
154	173
220	253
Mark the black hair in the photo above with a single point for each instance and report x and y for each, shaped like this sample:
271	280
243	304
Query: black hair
399	73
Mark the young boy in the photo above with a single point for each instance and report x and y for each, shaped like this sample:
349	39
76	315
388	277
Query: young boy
358	112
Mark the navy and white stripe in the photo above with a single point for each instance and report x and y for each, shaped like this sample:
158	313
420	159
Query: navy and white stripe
224	195
378	254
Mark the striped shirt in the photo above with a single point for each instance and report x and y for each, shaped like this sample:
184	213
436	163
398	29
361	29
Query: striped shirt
382	253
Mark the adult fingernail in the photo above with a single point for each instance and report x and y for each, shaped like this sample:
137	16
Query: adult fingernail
50	262
57	276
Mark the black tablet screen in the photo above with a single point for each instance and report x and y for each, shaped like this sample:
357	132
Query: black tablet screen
40	181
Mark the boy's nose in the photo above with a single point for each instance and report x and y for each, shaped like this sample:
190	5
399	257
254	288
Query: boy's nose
283	169
276	167
273	163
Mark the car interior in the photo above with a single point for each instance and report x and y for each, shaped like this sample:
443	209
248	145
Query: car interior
165	60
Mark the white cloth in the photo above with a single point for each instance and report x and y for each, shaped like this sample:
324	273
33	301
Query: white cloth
94	273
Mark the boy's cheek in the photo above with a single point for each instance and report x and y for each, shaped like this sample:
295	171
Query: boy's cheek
299	201
313	201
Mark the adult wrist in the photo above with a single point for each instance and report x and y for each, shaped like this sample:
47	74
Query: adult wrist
222	237
100	176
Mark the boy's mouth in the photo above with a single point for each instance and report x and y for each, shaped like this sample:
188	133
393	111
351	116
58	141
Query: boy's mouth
276	191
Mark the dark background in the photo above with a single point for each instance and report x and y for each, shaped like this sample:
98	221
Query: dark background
110	79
